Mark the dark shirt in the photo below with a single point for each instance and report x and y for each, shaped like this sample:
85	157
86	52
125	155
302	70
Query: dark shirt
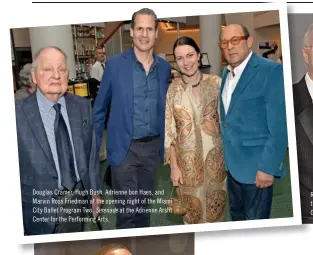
146	98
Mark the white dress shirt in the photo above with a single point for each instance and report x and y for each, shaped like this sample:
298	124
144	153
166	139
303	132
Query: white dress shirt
309	83
97	70
231	81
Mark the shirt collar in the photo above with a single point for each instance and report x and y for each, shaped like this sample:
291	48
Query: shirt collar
308	80
45	104
239	69
155	59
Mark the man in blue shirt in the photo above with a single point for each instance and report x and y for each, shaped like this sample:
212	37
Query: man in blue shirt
59	166
135	85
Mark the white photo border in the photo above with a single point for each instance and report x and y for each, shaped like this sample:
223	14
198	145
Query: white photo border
44	18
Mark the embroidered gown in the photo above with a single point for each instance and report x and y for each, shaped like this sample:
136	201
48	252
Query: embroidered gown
192	126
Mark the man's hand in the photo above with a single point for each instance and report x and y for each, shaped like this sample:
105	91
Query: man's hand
263	180
96	205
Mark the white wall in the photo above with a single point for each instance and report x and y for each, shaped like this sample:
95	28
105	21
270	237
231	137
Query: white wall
266	18
298	24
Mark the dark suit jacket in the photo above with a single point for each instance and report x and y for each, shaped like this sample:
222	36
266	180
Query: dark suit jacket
117	89
37	168
304	133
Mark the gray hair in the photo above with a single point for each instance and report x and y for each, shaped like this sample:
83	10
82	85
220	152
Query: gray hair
308	34
145	11
35	61
99	48
25	75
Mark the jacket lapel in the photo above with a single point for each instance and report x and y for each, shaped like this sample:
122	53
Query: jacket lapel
304	108
222	109
31	111
163	81
127	79
247	75
306	120
302	97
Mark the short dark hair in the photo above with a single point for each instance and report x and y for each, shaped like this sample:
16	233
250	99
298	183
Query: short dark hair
185	40
244	30
145	11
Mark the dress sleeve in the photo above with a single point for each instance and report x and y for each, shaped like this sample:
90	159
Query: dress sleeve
170	125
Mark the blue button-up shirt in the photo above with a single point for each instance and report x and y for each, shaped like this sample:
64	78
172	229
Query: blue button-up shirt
146	98
48	113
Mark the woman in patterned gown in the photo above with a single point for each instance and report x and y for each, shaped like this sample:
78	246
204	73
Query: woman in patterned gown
193	146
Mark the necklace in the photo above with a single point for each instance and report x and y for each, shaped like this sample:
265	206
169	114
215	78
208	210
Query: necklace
197	84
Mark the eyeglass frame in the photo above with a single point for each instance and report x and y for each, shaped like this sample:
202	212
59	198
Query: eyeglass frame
244	37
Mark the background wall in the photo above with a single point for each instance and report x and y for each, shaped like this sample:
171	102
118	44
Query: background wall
166	42
271	34
21	37
298	24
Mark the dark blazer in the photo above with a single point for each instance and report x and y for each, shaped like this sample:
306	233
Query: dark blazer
117	88
37	168
303	108
254	131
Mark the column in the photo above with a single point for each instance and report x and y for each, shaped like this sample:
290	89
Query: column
210	27
59	36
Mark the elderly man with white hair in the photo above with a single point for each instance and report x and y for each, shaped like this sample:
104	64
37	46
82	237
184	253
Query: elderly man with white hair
26	86
59	165
303	106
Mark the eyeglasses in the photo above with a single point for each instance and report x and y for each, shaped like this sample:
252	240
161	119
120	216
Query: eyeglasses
234	41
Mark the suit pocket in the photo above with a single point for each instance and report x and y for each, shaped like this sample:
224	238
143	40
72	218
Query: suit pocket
254	142
253	105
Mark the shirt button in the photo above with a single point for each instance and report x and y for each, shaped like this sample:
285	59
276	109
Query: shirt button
146	124
146	110
225	124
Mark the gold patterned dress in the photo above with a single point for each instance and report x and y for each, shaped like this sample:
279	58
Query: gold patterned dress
192	126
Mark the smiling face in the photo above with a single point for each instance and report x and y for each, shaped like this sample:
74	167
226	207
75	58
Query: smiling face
187	59
144	32
51	74
235	54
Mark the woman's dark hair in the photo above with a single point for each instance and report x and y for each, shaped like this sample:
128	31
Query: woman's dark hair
185	40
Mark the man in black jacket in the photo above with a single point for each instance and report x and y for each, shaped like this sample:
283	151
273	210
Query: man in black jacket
303	106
